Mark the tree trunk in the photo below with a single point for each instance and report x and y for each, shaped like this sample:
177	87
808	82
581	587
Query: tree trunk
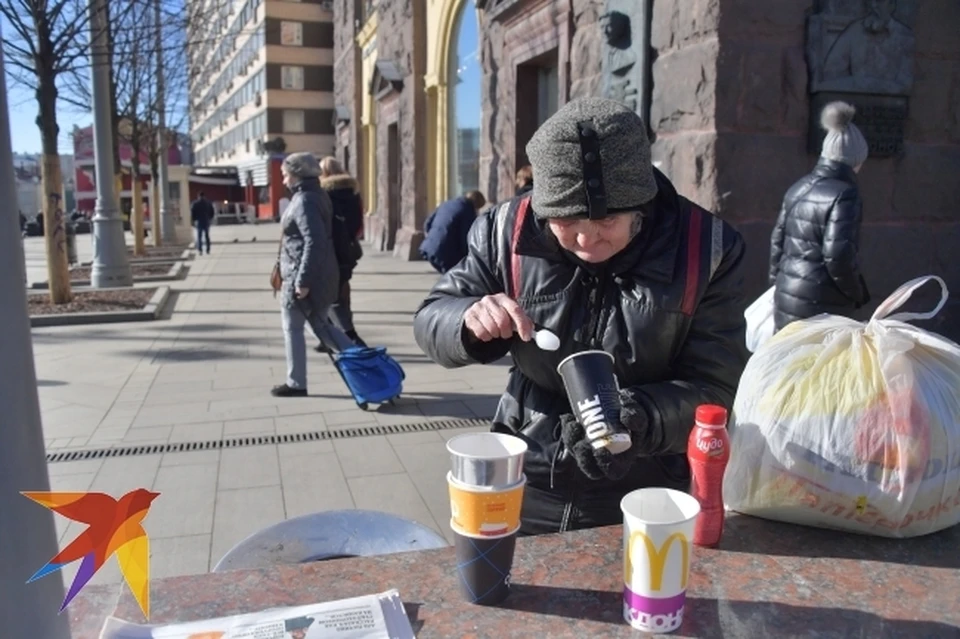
136	212
155	211
118	187
54	221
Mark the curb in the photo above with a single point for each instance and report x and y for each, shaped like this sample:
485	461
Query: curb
186	255
148	313
175	273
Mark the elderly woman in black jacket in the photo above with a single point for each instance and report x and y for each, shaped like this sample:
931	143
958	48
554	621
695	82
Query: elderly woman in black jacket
608	256
308	267
813	249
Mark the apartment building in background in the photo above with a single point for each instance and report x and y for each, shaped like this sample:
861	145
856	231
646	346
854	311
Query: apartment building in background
261	86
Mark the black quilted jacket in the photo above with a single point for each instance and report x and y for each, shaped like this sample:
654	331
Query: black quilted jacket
668	307
813	250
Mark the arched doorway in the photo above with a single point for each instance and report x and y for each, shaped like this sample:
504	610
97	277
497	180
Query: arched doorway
464	111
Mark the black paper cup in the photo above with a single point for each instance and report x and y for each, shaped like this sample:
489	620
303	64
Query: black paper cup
483	566
594	396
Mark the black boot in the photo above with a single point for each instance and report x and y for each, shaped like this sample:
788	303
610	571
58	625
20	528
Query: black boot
320	348
285	391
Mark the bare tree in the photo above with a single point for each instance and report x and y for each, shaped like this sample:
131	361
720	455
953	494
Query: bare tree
135	113
45	41
133	81
175	30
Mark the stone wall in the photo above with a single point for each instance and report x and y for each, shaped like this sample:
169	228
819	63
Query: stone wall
517	35
347	89
400	32
585	49
685	39
761	113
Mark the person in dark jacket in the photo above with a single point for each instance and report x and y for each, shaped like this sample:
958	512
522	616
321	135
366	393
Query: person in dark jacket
308	269
524	181
201	215
347	227
609	257
813	249
447	228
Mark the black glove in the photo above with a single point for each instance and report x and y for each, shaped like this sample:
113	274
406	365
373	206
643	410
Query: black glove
599	463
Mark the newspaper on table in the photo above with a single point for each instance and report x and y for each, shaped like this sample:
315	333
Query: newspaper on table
379	616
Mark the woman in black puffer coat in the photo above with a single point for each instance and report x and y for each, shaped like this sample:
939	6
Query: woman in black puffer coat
813	250
347	227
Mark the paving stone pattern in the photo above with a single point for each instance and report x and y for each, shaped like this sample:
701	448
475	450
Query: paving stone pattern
204	373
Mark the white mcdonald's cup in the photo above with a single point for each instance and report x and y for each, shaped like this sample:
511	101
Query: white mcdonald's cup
657	547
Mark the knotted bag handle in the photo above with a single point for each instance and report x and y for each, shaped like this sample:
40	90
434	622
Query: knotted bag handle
900	296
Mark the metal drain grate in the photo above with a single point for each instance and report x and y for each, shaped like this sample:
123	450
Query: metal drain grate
266	440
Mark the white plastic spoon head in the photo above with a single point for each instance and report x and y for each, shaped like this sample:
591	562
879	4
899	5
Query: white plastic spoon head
546	340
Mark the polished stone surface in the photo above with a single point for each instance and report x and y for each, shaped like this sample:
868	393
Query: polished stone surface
765	580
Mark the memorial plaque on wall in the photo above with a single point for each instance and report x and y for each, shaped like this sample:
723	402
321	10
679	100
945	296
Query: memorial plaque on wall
862	52
881	118
626	61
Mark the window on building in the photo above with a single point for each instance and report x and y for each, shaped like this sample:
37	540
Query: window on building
294	121
291	78
463	137
547	92
537	90
291	34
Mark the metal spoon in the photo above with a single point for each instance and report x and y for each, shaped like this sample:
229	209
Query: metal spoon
546	340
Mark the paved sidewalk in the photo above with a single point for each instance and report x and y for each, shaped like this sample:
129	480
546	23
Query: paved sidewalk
204	374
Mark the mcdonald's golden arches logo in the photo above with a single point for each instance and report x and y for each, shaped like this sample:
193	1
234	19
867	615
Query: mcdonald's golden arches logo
658	558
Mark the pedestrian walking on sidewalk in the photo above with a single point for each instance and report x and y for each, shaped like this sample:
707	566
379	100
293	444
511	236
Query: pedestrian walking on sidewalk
308	270
347	227
202	214
447	229
813	249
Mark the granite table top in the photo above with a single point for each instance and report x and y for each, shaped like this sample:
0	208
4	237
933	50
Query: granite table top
766	579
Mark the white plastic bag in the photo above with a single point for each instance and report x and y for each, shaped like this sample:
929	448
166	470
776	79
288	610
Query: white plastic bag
759	316
851	426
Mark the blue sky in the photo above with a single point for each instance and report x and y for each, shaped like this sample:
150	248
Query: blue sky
23	104
468	91
25	134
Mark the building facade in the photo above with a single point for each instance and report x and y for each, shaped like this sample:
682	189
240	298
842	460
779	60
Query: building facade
408	101
261	86
731	92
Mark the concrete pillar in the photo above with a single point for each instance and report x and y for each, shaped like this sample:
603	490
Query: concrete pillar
27	531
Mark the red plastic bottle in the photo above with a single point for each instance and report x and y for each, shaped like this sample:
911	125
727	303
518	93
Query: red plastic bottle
708	451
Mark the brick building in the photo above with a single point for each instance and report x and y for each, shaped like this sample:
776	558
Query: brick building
731	90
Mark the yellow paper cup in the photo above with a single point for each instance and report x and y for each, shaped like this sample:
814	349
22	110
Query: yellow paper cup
484	512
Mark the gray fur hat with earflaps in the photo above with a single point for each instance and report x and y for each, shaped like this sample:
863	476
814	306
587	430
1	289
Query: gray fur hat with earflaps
844	141
591	158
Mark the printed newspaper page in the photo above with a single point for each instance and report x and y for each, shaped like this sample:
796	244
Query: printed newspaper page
371	617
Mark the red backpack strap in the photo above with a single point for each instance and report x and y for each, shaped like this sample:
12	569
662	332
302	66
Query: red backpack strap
697	218
513	284
693	261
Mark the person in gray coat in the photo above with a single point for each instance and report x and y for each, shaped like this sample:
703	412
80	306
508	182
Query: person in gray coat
308	267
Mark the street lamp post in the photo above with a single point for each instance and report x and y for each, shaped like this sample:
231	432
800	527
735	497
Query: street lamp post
110	265
27	531
168	231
